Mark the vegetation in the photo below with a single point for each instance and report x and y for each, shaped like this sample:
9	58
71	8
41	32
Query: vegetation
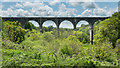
29	47
13	31
29	26
109	29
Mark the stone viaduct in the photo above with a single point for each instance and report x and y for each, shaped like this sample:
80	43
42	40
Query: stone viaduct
57	21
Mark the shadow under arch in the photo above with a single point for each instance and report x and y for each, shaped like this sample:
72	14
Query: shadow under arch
66	24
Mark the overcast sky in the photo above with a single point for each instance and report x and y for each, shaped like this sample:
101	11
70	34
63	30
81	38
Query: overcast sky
58	9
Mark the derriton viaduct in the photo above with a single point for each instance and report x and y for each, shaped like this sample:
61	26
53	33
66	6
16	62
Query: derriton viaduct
57	21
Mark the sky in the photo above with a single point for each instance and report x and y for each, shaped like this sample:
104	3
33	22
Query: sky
57	8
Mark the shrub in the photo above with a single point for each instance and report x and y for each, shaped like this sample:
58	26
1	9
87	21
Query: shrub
13	31
118	43
67	50
109	29
48	36
29	25
83	37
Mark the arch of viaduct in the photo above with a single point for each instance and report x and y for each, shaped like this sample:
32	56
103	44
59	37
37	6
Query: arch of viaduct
57	21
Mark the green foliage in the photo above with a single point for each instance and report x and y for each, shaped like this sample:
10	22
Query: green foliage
85	29
48	36
29	26
50	28
118	50
83	37
118	43
66	50
0	23
109	29
45	29
64	33
13	31
72	48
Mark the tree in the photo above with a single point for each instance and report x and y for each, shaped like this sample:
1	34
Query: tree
50	27
13	31
45	29
85	29
109	29
83	37
29	25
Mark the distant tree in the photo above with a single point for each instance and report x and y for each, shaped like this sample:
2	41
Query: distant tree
83	37
85	29
29	25
97	22
45	29
50	28
82	25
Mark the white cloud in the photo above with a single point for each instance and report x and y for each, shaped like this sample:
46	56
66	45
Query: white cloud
60	0
86	13
99	12
35	9
54	2
89	5
63	11
81	0
75	3
32	4
1	9
1	6
18	5
85	5
21	12
40	9
17	12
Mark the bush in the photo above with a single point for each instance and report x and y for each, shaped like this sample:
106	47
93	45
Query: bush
13	31
109	30
29	25
67	50
83	37
118	43
48	36
43	49
70	46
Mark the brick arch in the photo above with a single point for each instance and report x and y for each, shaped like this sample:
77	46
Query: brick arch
68	21
49	20
32	20
81	21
